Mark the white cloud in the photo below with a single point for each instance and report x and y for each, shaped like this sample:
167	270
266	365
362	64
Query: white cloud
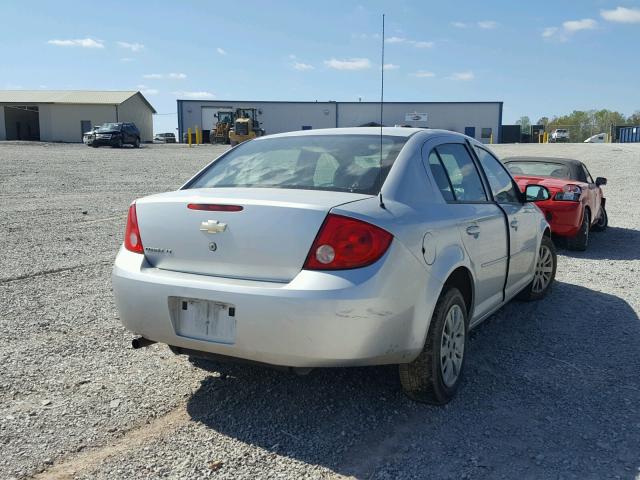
459	24
134	47
396	40
147	91
423	74
127	59
202	94
577	25
463	76
221	51
622	15
391	66
415	43
349	64
171	76
79	42
488	24
569	28
302	66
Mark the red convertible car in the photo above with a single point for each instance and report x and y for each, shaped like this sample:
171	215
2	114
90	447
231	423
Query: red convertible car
577	204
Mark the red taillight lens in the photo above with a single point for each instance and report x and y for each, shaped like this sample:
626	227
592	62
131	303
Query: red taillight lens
344	243
132	240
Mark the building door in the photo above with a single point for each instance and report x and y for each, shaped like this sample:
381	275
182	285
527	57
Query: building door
470	132
85	126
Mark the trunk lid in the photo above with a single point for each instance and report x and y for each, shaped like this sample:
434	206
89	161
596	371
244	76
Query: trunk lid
553	184
269	239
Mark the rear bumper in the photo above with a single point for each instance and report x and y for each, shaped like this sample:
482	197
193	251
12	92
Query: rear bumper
374	315
564	218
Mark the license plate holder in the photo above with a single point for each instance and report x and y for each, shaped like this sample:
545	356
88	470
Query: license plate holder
203	319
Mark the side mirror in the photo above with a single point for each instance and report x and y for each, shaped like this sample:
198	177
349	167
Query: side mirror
536	193
601	181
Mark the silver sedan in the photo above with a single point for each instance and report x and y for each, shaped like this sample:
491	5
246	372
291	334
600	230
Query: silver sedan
337	247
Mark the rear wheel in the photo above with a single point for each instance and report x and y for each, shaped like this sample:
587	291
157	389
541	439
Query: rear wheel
435	375
581	240
603	221
136	143
545	272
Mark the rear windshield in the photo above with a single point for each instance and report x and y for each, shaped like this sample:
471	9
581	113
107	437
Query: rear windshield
345	163
109	127
539	169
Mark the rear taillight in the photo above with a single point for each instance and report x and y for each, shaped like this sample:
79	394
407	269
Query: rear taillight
132	240
344	243
570	193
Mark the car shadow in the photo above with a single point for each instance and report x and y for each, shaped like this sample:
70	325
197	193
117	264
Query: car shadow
615	243
551	389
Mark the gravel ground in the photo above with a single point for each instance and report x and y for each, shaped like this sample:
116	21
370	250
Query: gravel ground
552	388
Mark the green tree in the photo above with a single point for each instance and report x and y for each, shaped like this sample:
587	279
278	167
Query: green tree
543	121
634	119
525	123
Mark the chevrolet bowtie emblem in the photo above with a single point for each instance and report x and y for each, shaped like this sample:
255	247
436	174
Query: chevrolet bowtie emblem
213	226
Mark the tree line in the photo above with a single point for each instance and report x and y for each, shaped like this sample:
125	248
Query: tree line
583	124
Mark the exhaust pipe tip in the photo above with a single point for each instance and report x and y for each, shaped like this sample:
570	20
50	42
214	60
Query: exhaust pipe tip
141	342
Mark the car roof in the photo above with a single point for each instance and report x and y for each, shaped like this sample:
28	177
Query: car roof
564	161
389	131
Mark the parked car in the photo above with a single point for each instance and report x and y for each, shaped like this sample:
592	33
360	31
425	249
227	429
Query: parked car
577	203
117	135
559	135
165	138
599	138
88	137
321	248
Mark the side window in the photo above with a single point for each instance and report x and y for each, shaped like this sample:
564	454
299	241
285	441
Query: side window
588	175
462	173
440	176
501	183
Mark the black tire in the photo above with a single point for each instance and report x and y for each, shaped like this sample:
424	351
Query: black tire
422	380
581	240
118	144
533	291
136	143
602	222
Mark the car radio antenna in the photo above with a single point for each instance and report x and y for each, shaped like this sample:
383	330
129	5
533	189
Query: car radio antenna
381	112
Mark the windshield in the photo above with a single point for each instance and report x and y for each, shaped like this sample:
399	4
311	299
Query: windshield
109	127
346	163
539	169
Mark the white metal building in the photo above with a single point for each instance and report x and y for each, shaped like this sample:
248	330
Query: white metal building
63	116
481	120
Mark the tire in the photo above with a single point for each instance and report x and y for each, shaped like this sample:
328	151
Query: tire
136	143
118	144
545	273
426	379
603	221
581	240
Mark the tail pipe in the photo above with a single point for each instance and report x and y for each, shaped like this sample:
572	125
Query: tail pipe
141	342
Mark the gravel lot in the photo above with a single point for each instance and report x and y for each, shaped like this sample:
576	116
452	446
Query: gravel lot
552	388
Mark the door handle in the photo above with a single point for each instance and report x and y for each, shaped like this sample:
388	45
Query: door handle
514	224
473	230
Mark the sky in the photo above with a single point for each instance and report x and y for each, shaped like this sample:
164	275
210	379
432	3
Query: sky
540	58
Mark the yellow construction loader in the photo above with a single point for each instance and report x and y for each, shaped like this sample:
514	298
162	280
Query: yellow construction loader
245	127
220	133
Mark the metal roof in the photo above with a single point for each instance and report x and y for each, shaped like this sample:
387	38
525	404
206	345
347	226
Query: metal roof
87	97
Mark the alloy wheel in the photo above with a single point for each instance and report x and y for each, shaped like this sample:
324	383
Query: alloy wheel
544	270
452	346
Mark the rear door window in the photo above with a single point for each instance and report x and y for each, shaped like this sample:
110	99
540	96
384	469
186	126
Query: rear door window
462	173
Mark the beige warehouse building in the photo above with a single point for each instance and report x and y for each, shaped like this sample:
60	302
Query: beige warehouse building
64	115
